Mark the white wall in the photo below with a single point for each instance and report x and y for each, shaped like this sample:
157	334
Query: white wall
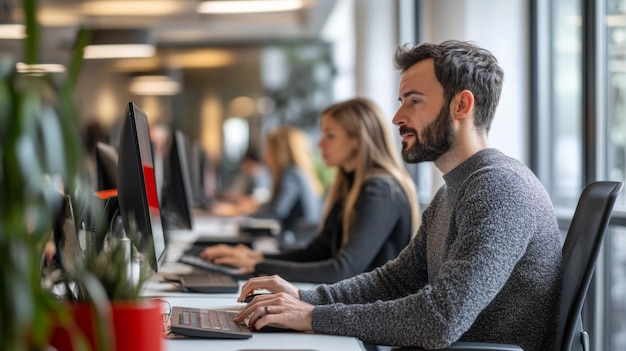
340	31
501	27
364	36
377	39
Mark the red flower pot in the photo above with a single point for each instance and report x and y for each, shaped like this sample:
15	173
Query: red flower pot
134	326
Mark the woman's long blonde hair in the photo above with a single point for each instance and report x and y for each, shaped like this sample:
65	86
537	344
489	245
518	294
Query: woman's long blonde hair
290	146
377	154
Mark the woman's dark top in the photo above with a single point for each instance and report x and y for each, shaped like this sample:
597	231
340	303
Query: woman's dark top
381	229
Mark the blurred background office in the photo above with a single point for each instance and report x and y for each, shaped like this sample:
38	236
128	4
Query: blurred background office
296	195
225	79
252	186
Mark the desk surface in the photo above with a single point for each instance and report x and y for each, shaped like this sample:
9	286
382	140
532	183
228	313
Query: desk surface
259	341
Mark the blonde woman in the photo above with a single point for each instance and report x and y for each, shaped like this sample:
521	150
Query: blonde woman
296	199
371	210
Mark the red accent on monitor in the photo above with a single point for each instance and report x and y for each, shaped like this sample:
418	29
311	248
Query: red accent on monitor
151	192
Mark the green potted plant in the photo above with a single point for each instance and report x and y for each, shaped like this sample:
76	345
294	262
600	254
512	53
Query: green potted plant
41	155
103	294
40	148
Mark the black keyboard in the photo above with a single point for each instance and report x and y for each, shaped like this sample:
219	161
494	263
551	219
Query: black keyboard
197	261
205	323
209	282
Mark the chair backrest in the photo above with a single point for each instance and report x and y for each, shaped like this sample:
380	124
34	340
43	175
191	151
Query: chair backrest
580	252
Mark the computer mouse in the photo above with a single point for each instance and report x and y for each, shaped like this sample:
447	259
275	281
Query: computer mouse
251	296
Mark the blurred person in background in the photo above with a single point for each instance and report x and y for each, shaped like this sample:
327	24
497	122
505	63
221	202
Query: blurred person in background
296	197
252	186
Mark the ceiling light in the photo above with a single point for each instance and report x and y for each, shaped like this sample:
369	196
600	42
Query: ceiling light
118	51
154	85
201	58
12	31
249	6
119	43
132	8
42	68
9	29
188	59
59	17
137	64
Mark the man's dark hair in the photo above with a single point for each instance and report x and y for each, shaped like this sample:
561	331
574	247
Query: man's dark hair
460	66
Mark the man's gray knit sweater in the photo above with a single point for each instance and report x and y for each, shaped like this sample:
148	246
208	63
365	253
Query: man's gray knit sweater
484	266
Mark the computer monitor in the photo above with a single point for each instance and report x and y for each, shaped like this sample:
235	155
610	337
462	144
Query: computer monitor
106	166
198	166
137	192
176	195
106	194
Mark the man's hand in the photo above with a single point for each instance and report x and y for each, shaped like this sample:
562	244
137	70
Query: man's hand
281	309
274	284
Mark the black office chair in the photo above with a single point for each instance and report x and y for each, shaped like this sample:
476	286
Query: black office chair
580	252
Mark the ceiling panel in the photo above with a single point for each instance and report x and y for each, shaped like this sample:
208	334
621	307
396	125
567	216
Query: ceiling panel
173	23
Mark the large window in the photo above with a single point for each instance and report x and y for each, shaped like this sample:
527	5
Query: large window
615	43
613	46
580	133
566	77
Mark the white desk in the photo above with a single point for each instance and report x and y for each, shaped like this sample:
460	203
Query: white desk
259	341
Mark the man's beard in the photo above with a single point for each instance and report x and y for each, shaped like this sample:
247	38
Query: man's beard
437	140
